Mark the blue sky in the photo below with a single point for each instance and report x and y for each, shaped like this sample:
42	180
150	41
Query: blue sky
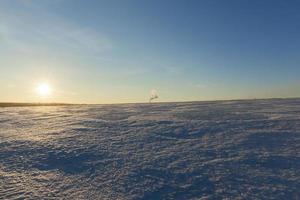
118	51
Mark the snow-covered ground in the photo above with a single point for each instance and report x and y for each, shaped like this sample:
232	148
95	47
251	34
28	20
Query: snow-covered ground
197	150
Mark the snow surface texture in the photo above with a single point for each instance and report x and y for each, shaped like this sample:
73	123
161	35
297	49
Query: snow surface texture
197	150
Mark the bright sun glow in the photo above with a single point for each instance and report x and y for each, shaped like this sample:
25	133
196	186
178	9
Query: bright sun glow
44	89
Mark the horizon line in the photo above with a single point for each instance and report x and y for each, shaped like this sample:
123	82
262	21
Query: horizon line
29	104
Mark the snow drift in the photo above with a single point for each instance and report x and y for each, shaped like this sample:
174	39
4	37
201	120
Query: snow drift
196	150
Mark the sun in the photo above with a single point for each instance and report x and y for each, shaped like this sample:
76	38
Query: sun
44	90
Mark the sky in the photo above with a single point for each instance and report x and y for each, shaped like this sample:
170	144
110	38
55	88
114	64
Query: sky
120	51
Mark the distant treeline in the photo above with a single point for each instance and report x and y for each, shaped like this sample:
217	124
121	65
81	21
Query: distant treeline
33	104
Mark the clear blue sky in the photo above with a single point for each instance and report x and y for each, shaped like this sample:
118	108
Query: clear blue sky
119	50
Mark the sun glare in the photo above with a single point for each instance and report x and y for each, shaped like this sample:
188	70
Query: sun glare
44	89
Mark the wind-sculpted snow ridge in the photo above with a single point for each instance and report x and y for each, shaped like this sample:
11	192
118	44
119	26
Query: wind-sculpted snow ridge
199	150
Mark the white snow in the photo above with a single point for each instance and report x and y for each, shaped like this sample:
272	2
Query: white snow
197	150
